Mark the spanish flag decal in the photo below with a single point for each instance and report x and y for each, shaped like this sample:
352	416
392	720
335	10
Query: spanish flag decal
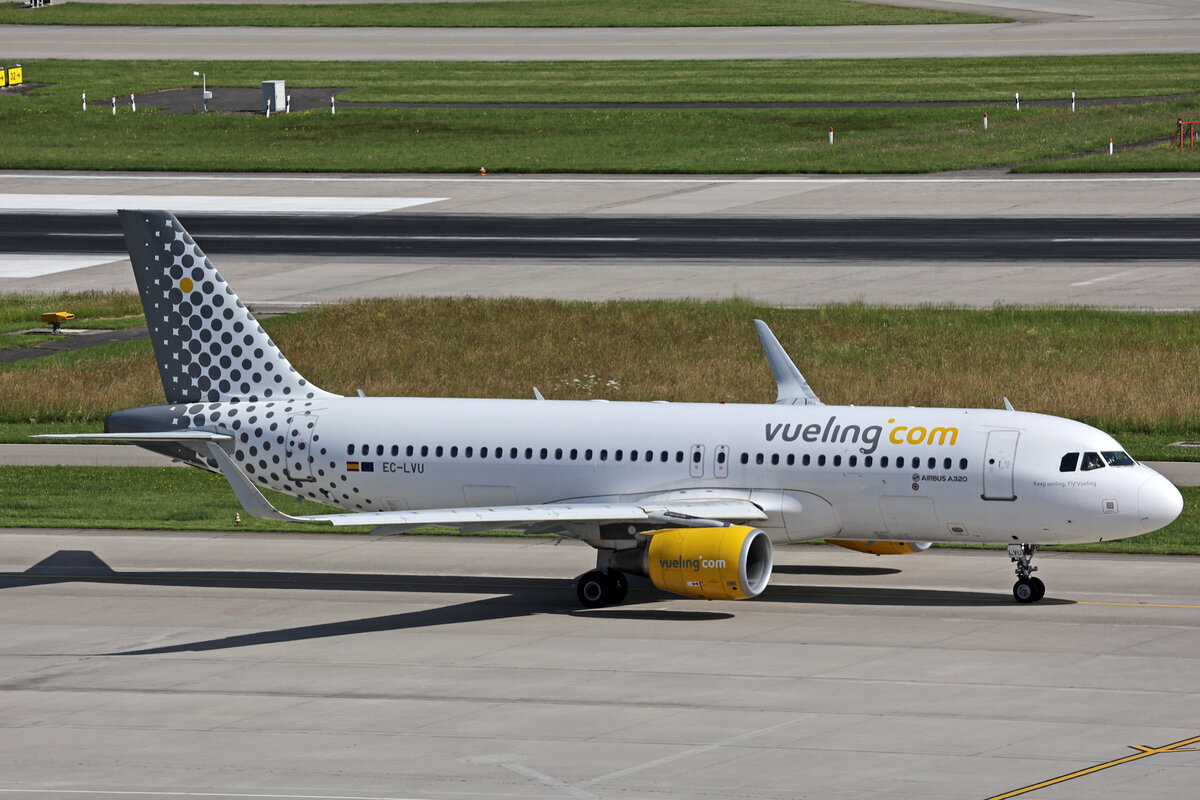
351	466
360	466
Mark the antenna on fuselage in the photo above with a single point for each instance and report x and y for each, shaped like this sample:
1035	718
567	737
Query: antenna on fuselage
793	389
1008	405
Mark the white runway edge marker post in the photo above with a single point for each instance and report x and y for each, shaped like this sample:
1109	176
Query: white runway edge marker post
132	101
1018	95
85	101
985	120
831	135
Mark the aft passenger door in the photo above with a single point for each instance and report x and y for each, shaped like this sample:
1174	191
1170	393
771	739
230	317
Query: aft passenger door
998	461
298	465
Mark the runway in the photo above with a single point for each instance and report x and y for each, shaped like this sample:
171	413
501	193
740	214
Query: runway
499	236
972	239
237	665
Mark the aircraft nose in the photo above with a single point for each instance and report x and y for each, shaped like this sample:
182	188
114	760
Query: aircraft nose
1159	503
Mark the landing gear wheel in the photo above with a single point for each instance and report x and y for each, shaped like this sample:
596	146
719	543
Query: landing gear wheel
1025	591
1027	588
594	589
620	585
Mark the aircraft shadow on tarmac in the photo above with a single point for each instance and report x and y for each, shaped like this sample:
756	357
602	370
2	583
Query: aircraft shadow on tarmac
508	597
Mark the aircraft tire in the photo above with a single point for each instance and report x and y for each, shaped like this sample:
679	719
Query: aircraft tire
1025	590
1039	589
620	585
594	589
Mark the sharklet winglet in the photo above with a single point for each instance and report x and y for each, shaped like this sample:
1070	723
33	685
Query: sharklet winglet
793	389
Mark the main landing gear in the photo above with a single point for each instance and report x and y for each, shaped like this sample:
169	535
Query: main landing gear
1027	589
597	588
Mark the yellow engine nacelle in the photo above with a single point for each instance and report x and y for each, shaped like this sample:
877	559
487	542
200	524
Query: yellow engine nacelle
882	548
715	563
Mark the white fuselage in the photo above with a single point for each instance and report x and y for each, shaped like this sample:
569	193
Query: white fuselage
909	474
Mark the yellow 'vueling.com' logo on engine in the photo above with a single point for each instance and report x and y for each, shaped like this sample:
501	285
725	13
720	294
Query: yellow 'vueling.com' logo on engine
833	433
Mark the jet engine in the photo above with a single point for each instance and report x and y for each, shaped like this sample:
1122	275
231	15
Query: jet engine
882	548
728	563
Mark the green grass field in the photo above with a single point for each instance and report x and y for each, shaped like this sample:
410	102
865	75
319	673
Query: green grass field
1044	360
518	14
47	130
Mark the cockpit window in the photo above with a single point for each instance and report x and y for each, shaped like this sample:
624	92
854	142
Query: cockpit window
1091	461
1069	462
1118	458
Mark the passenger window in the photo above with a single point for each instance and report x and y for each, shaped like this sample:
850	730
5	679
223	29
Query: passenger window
745	458
604	455
633	454
883	461
837	461
650	455
574	454
932	462
454	451
868	461
806	460
664	456
1069	462
408	451
721	457
349	449
379	450
512	453
617	456
366	449
696	457
438	451
528	453
791	460
1118	458
469	451
424	450
758	459
678	456
543	453
899	462
962	463
853	461
587	454
821	460
775	459
558	454
1091	461
946	463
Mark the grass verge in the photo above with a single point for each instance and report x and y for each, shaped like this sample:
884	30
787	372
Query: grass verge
48	130
512	14
166	498
1125	372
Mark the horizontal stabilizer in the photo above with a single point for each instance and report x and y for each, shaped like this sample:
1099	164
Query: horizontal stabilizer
155	436
257	505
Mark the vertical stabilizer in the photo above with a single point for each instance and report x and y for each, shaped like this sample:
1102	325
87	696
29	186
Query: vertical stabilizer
207	344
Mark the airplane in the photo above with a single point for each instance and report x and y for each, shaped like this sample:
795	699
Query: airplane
693	496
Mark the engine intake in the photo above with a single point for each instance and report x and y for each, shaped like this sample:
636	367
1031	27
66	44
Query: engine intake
729	563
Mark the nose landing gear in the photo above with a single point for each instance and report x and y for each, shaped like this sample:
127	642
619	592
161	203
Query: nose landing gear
1027	589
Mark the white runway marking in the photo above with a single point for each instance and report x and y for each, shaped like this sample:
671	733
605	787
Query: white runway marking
214	204
1104	278
379	237
18	265
1128	240
232	795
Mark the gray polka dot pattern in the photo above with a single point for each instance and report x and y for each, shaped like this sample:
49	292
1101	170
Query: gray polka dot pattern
208	345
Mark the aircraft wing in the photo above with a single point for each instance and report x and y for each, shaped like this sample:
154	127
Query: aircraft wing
674	512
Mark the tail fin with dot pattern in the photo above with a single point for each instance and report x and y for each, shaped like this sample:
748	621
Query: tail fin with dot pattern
207	344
